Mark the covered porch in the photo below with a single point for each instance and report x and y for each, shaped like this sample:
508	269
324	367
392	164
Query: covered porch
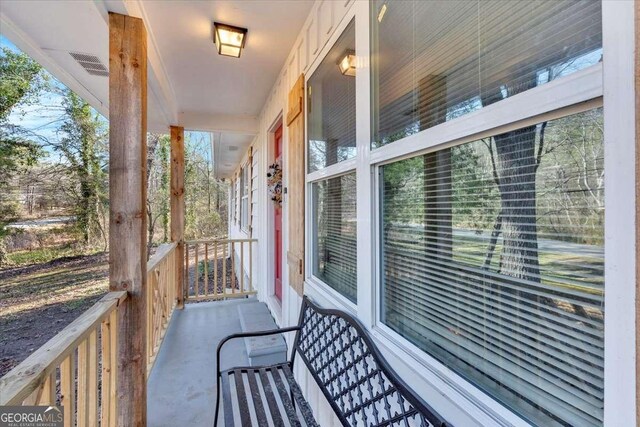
410	199
182	383
152	338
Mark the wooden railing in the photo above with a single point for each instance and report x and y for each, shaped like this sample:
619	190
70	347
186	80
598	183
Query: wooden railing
77	367
218	268
82	358
161	297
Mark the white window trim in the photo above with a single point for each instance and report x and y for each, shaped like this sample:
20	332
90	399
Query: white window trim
315	287
609	84
244	180
620	208
475	402
578	90
340	168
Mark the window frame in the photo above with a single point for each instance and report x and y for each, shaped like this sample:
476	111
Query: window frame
577	92
420	358
313	284
244	197
340	298
604	84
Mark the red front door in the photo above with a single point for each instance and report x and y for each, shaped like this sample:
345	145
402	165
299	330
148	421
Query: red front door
277	219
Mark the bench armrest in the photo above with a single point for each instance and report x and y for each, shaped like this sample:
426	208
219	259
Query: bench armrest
248	335
241	335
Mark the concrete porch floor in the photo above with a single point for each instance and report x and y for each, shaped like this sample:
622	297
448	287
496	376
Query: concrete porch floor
181	389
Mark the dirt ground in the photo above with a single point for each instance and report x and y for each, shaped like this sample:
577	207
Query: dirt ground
38	301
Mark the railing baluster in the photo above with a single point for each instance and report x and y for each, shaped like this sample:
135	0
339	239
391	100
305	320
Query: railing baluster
105	389
48	395
206	269
68	388
196	274
83	383
215	269
251	266
92	373
186	270
233	267
113	348
241	267
224	268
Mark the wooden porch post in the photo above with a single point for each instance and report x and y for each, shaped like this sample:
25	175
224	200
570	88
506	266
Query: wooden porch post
177	206
127	210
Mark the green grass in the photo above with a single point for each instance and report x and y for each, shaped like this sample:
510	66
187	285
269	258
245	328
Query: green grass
43	255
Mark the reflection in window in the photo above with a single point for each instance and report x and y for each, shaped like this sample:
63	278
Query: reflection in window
433	61
334	233
493	263
331	107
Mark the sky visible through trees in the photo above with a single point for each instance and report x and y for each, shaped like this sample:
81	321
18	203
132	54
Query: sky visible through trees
58	167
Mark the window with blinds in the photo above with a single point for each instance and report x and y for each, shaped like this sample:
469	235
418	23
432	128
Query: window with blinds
331	104
334	233
493	263
433	61
244	197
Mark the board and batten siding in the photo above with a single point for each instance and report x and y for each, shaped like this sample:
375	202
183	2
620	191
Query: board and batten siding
317	33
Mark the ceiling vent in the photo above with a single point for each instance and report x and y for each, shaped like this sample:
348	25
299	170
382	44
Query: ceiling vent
90	63
233	148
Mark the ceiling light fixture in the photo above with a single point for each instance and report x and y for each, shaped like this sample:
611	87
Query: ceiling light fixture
383	10
347	64
229	40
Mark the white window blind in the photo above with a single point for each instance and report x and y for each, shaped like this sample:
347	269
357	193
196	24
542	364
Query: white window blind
493	263
244	197
334	233
433	61
331	107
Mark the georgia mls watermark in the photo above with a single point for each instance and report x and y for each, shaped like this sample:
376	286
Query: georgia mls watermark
31	416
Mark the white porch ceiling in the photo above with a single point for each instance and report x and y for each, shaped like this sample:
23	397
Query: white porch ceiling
190	85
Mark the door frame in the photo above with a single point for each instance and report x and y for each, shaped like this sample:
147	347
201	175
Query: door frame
275	305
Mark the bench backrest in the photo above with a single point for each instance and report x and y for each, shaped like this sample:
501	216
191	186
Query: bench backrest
355	378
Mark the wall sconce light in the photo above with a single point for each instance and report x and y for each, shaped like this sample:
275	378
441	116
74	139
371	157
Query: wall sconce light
347	64
229	40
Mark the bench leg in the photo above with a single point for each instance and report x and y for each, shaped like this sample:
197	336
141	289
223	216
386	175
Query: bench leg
215	420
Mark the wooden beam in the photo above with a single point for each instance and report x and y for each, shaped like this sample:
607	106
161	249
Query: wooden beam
177	206
127	209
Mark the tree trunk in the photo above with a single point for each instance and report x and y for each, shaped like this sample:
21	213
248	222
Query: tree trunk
516	165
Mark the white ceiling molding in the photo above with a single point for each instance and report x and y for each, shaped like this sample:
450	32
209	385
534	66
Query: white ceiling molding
248	125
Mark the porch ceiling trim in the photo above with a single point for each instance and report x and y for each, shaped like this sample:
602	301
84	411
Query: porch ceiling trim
248	125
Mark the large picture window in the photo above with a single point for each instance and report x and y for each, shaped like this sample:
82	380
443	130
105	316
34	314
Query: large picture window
331	106
492	261
334	233
433	61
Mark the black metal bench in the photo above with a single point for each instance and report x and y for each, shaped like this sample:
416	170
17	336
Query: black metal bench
357	381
